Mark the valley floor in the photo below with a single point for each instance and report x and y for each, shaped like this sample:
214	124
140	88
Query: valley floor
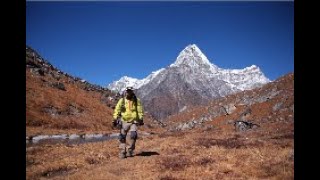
218	153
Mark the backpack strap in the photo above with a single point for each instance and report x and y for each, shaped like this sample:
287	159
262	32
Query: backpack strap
123	103
122	107
135	101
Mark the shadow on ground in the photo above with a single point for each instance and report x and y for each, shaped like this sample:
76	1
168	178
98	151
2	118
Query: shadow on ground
147	153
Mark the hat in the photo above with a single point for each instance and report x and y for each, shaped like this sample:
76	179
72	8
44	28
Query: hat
129	88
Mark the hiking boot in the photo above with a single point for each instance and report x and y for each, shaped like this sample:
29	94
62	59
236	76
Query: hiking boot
122	156
130	154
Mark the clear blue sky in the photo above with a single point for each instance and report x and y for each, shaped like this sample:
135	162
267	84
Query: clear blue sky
103	41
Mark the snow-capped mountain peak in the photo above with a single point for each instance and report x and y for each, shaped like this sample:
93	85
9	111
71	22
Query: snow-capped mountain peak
124	82
191	79
190	55
193	57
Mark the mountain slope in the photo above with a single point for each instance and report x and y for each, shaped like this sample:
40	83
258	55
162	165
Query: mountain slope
57	102
271	105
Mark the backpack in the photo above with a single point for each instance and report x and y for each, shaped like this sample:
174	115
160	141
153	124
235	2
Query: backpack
123	107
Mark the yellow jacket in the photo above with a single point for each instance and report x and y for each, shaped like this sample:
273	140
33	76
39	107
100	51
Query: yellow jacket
133	111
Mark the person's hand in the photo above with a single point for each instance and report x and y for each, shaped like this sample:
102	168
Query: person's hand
114	123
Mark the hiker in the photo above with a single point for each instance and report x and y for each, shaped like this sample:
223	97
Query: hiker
128	114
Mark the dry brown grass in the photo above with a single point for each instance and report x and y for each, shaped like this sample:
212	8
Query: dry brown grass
255	155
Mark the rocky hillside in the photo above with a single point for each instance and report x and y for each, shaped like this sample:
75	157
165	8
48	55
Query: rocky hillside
268	105
57	102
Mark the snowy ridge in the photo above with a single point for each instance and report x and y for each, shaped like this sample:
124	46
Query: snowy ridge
149	78
193	66
125	81
243	79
